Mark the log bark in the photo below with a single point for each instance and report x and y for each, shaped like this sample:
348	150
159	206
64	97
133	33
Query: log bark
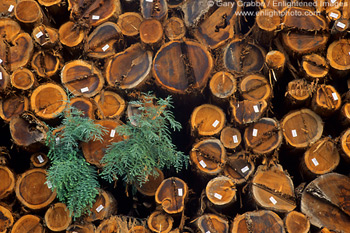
86	105
156	9
325	202
28	224
23	79
7	185
82	78
298	93
150	187
273	189
239	168
57	217
296	222
28	131
71	35
45	36
212	223
182	66
207	120
129	69
315	67
208	156
32	190
264	136
230	138
255	87
104	41
4	79
94	150
301	128
326	101
110	105
172	194
222	86
46	63
6	219
48	100
221	192
322	157
247	111
13	106
81	228
104	207
160	222
218	28
174	28
129	24
251	62
255	221
39	160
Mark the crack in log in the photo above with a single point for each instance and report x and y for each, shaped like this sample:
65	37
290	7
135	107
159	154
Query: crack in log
188	66
210	157
249	223
80	78
286	197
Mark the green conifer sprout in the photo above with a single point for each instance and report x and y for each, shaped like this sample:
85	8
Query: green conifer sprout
74	179
147	146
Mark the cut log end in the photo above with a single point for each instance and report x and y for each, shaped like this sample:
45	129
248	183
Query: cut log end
207	120
248	111
57	217
268	19
255	87
6	219
7	185
314	66
13	106
81	228
28	11
230	137
129	23
239	169
326	101
45	36
46	64
338	55
104	207
86	105
174	28
22	79
150	187
110	104
221	191
223	85
160	222
298	92
151	32
70	34
28	224
275	60
296	222
39	160
212	223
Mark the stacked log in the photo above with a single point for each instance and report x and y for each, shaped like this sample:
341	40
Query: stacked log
263	101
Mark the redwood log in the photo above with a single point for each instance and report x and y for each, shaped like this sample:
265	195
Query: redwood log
7	185
13	106
104	207
27	130
129	69
222	86
71	35
151	33
129	24
39	160
243	57
57	217
4	79
182	66
110	105
109	225
298	92
28	224
46	64
7	7
240	169
275	61
139	229
325	201
94	150
172	194
221	192
29	12
338	57
81	228
326	101
247	111
212	223
208	156
273	189
48	100
150	187
174	28
193	11
82	78
33	191
45	36
22	79
268	21
104	41
86	105
257	220
157	9
345	115
345	145
296	222
207	120
255	87
264	136
218	28
314	66
230	138
160	222
301	128
6	219
322	157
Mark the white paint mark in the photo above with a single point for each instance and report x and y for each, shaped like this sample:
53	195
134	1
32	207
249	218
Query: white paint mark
235	139
149	0
255	132
99	208
85	89
40	158
0	75
218	196
39	34
314	160
333	15
335	96
256	108
11	8
245	169
202	163
1	59
216	122
180	192
273	200
95	17
294	133
341	25
207	232
112	133
104	48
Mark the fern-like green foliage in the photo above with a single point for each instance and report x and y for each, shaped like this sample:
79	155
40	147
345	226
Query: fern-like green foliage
74	180
147	146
